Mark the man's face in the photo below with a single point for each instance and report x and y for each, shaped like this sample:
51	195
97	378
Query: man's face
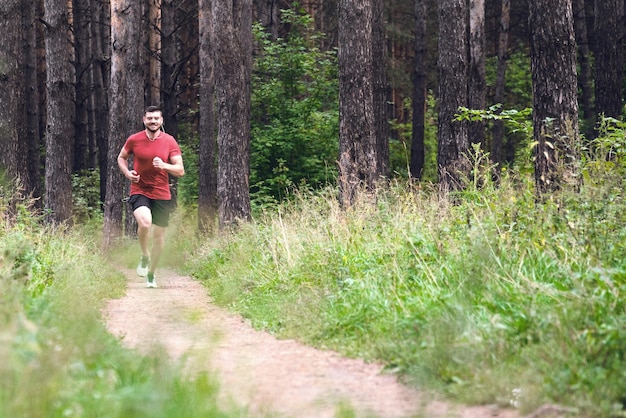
153	121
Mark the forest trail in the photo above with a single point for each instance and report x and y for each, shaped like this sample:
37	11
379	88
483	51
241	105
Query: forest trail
256	371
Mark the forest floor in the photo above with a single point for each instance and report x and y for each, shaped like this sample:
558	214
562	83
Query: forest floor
258	372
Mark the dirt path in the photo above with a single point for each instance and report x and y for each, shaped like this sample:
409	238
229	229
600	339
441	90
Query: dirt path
256	370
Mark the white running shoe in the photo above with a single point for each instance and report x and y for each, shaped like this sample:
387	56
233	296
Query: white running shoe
151	281
142	268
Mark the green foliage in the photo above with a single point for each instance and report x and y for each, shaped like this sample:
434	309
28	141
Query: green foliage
400	150
518	78
58	360
294	110
86	196
187	186
518	122
497	298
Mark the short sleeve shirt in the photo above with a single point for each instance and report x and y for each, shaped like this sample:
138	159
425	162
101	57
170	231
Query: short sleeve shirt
153	182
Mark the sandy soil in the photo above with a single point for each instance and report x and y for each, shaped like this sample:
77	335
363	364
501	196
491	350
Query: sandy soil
257	371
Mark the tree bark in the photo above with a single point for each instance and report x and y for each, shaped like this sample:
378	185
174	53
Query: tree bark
358	161
31	145
231	19
555	101
81	12
12	96
416	165
153	93
122	13
609	56
135	93
453	77
477	83
168	65
380	87
584	61
207	170
100	73
60	113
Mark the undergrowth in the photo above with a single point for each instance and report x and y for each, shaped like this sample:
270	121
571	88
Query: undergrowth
58	360
497	298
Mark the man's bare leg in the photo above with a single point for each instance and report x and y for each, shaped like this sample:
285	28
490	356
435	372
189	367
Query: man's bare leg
158	241
143	215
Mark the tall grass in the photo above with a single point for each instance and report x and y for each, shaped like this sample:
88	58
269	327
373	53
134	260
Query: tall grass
57	359
497	298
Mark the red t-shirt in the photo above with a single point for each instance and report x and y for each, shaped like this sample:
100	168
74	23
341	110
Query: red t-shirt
154	182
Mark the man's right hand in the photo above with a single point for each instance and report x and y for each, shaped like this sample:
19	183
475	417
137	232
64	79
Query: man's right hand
133	176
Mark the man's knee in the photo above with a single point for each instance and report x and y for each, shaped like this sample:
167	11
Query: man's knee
143	216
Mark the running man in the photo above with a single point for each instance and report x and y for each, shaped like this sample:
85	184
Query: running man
156	155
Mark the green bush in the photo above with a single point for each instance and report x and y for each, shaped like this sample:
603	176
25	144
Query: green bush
294	110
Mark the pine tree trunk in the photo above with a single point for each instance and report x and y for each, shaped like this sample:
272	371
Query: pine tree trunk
207	162
100	41
477	83
416	165
82	64
154	46
168	65
232	57
30	146
116	184
453	76
609	56
358	162
380	87
11	87
60	95
584	61
135	104
555	100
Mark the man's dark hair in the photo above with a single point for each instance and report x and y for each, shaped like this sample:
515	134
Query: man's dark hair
151	109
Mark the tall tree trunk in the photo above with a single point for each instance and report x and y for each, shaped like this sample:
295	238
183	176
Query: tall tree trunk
82	18
100	47
207	170
122	14
33	140
497	153
380	87
168	65
60	113
609	56
12	97
358	162
555	101
153	94
135	93
233	53
477	84
416	165
584	61
453	76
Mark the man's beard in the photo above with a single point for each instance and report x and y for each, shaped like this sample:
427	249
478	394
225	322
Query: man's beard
151	129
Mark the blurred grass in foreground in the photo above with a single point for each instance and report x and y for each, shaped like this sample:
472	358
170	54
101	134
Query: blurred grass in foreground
57	358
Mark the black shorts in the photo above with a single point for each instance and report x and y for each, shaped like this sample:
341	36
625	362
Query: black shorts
160	209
